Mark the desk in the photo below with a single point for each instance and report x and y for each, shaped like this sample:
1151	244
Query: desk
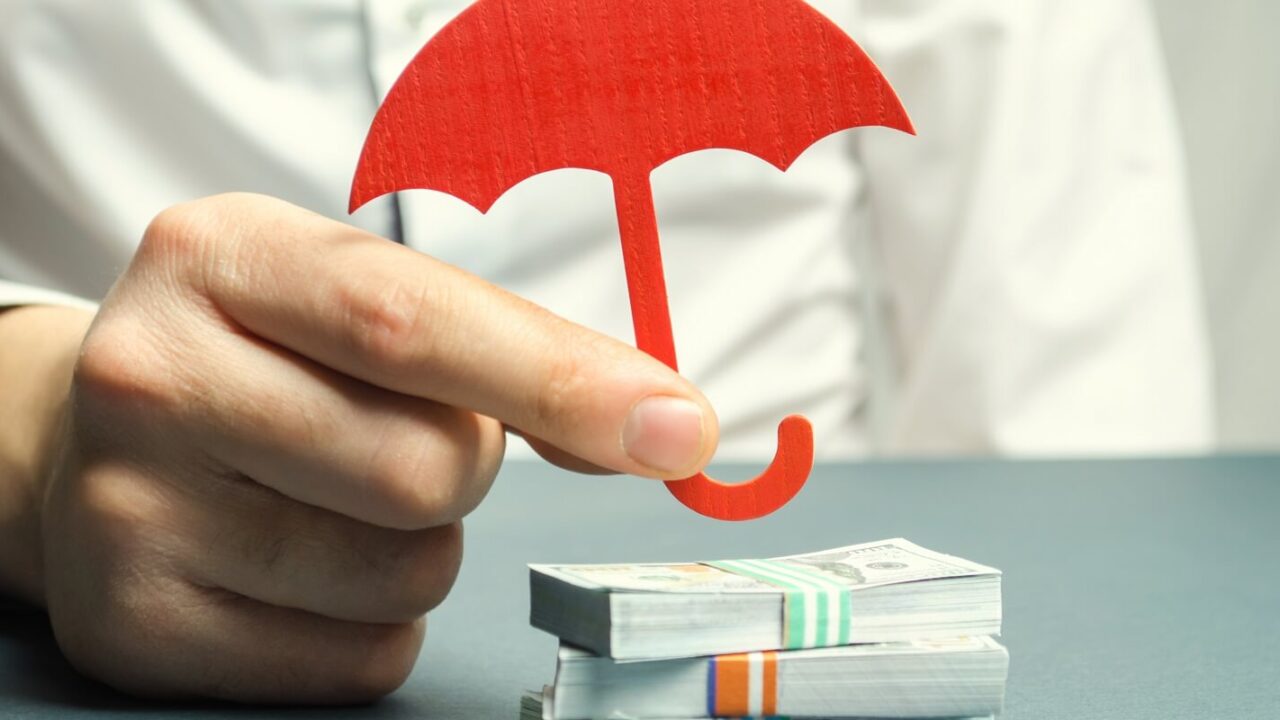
1133	589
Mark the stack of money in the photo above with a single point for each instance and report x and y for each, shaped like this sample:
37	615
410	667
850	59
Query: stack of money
886	629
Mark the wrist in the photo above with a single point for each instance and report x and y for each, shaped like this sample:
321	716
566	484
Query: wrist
38	350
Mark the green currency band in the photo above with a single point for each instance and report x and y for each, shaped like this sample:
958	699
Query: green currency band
816	610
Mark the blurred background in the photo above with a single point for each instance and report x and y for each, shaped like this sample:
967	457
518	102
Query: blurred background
1223	61
1225	66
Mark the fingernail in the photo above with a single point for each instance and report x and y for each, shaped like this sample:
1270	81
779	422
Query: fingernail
664	433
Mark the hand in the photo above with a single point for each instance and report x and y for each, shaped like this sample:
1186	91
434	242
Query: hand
275	426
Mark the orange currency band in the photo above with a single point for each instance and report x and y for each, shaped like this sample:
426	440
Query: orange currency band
743	685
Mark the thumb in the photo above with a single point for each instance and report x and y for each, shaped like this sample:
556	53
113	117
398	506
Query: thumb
592	404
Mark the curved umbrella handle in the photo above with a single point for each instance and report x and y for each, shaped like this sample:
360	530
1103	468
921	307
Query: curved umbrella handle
646	285
767	492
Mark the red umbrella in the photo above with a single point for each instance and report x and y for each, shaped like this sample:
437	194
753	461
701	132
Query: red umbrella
514	88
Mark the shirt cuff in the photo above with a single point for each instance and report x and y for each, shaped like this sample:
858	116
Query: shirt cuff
13	294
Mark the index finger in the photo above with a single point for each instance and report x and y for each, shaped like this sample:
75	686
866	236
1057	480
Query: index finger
406	322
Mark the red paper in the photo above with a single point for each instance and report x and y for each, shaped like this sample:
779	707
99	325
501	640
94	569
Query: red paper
514	88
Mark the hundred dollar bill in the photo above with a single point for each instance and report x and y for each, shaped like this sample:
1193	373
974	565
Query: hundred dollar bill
960	677
886	591
867	565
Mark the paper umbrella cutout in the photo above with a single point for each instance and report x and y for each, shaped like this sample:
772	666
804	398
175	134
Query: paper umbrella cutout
513	88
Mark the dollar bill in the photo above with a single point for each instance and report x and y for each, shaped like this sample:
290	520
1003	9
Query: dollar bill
866	565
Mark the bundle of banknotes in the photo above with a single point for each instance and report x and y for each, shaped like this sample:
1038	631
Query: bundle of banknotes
880	630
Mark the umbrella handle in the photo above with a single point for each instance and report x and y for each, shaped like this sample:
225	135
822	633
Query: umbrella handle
765	493
650	312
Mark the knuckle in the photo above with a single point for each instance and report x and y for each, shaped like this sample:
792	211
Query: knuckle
389	653
442	496
275	530
119	548
438	474
115	643
178	232
426	571
130	521
110	358
387	318
129	644
409	505
118	508
168	225
118	365
560	393
198	240
421	501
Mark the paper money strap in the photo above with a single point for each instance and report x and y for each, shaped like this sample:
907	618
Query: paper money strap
816	610
743	686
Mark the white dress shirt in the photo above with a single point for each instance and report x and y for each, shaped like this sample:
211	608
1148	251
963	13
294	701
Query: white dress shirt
1018	278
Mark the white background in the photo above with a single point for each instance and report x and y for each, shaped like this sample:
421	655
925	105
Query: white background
1225	64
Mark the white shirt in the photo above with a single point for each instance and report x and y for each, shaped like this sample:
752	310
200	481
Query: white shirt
1018	278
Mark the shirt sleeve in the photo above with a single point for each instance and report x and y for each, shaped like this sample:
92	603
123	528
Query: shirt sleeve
13	294
1036	282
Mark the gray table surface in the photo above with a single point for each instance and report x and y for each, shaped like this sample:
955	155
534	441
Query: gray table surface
1133	588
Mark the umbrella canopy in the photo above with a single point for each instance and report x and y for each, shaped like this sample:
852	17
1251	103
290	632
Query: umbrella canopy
514	88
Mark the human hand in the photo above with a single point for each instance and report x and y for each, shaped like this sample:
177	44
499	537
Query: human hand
275	426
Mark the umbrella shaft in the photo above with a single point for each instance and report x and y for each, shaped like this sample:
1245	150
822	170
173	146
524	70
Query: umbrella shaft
642	256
